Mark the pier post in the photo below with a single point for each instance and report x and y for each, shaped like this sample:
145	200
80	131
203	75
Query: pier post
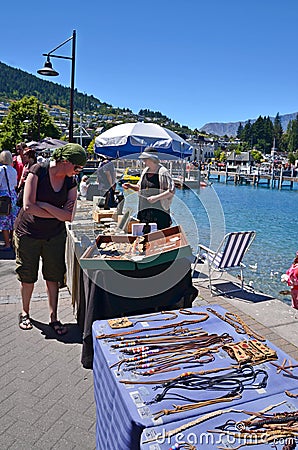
272	178
183	171
280	180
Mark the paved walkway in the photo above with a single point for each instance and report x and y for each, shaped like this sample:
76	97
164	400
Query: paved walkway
46	397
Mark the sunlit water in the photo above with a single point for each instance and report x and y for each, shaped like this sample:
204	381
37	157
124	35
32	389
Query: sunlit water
207	214
272	213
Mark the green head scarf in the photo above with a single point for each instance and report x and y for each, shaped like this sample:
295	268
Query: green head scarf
73	153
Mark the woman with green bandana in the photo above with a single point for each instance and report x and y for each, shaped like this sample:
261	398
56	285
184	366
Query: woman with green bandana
49	201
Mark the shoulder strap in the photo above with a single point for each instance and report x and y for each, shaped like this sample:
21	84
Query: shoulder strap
7	180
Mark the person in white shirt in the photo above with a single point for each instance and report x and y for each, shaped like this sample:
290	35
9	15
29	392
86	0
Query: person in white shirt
8	183
84	186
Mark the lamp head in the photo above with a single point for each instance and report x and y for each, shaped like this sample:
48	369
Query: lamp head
48	70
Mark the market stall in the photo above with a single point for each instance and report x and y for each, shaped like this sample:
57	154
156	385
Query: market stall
116	274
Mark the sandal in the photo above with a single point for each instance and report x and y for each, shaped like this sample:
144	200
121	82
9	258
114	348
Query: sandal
58	327
25	322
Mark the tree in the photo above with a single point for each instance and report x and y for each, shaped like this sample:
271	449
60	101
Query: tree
257	156
292	135
291	158
239	131
27	118
222	157
217	153
277	131
246	134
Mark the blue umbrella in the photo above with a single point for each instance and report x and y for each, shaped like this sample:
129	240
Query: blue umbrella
130	138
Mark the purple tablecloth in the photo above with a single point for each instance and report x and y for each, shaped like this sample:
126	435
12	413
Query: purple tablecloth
122	412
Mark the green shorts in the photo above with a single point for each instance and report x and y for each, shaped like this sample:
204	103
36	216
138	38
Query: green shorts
51	251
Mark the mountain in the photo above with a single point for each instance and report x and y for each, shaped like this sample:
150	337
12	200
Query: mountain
230	128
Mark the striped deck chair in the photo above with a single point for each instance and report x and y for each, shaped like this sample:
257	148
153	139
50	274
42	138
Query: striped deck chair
227	257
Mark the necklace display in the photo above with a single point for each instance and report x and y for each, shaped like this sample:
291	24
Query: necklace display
125	322
204	316
237	323
144	356
275	428
212	415
234	382
167	380
160	352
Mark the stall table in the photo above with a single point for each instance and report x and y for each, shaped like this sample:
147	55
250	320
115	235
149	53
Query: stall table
125	416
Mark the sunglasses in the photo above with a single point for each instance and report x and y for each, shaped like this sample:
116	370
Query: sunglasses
77	168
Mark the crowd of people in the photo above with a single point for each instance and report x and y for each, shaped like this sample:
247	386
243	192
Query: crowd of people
43	195
14	170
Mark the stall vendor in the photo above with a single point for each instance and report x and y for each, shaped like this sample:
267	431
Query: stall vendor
156	190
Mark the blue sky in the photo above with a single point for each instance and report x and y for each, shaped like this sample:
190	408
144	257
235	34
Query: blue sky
194	61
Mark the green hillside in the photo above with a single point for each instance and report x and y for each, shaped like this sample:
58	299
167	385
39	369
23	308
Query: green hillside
16	83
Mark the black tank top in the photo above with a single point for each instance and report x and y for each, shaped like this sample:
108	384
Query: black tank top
39	227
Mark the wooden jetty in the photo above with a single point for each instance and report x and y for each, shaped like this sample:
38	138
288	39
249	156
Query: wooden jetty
275	179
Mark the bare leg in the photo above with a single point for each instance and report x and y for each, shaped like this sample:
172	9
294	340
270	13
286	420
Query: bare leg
6	236
26	292
24	319
52	291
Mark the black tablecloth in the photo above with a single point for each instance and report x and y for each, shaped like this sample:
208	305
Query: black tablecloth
96	301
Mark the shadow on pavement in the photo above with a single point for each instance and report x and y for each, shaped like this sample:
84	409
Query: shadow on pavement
74	335
243	294
7	254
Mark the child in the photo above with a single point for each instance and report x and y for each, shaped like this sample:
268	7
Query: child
291	277
84	186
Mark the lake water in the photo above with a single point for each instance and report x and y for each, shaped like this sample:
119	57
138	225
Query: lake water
210	213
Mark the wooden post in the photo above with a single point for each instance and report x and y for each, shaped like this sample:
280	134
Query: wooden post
272	177
280	179
183	171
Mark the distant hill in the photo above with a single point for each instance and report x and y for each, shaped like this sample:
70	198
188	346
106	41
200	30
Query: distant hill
16	83
230	128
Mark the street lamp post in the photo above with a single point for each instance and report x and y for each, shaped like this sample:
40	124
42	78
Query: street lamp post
48	71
